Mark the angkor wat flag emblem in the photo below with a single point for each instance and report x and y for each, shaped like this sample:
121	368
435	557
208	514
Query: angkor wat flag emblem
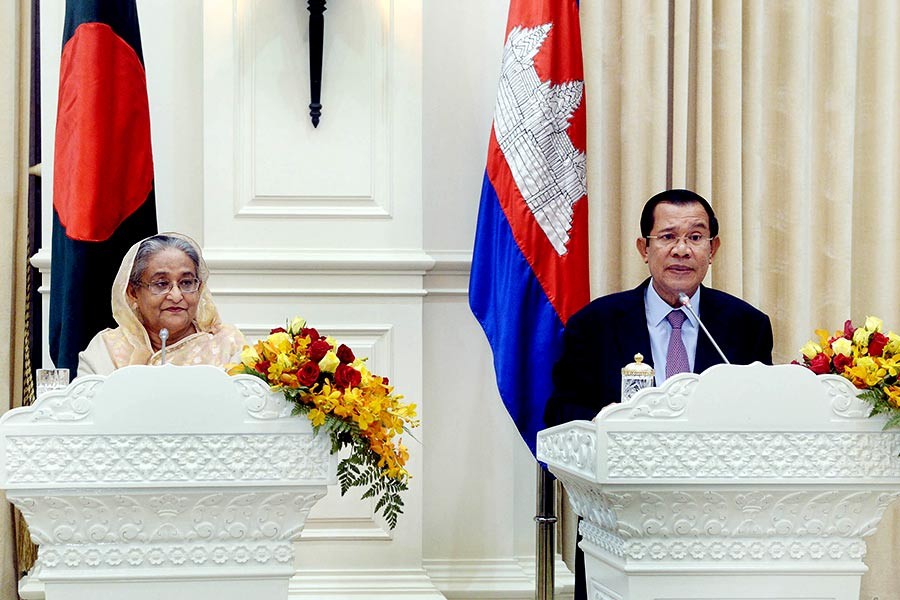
530	263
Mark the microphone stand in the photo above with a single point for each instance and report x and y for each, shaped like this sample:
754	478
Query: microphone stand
686	302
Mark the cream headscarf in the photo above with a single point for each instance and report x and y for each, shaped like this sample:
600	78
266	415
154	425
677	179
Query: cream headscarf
129	343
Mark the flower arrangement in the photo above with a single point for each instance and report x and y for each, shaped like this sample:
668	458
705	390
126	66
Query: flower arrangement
867	357
335	390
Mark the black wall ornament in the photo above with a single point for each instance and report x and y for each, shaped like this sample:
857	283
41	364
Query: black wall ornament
316	36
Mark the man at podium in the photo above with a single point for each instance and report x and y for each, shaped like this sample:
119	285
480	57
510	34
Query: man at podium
679	239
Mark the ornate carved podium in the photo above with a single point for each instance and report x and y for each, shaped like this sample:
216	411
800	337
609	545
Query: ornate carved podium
163	482
744	482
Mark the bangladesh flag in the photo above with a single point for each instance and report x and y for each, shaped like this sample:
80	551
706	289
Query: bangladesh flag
103	200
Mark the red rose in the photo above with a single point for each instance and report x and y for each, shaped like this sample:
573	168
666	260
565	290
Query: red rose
278	330
308	374
820	365
345	354
318	349
311	332
263	367
841	361
877	343
346	376
385	381
848	329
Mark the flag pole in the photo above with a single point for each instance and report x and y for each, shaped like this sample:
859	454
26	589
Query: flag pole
545	531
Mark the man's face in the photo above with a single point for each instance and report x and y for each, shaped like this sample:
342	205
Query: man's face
682	265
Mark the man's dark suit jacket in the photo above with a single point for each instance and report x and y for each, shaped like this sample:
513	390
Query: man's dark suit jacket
605	335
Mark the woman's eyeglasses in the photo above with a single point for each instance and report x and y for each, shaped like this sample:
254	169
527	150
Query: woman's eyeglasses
163	286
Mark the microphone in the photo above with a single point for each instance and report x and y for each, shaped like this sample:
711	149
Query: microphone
686	302
164	335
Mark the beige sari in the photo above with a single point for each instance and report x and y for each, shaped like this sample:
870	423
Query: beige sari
214	343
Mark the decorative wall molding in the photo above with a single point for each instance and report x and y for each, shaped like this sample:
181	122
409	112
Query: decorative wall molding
240	272
511	579
355	181
378	29
449	275
235	258
363	584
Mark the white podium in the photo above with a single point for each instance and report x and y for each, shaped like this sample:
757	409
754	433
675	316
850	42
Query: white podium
163	482
746	482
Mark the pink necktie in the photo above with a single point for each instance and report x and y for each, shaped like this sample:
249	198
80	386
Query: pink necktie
676	355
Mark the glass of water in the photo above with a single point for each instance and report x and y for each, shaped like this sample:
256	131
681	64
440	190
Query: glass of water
47	380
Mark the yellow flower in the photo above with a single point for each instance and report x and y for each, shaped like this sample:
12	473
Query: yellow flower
841	346
286	362
893	345
893	395
296	325
873	324
316	416
249	356
861	337
329	362
364	419
811	349
235	368
302	344
891	365
275	371
281	342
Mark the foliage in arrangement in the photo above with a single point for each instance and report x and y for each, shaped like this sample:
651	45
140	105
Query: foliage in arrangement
867	357
335	390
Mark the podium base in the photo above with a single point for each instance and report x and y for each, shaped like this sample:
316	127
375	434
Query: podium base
610	583
170	590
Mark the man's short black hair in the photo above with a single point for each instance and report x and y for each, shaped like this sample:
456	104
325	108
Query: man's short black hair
677	197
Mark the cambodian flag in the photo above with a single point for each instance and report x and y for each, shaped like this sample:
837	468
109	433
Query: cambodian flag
530	262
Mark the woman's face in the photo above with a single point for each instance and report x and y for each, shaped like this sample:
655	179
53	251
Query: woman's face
174	310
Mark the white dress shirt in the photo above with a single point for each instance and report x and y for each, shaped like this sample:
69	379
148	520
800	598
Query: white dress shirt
656	310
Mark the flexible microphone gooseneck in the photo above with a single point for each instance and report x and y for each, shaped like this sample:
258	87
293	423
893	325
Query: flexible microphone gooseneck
164	335
686	302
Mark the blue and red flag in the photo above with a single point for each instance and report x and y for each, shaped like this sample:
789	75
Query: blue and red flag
530	268
103	200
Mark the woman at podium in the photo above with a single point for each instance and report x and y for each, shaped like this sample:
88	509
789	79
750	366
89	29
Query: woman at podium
160	300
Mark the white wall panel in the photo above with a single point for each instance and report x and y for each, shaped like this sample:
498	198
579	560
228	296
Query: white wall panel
287	167
272	180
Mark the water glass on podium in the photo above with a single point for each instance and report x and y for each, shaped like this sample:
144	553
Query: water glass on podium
47	380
